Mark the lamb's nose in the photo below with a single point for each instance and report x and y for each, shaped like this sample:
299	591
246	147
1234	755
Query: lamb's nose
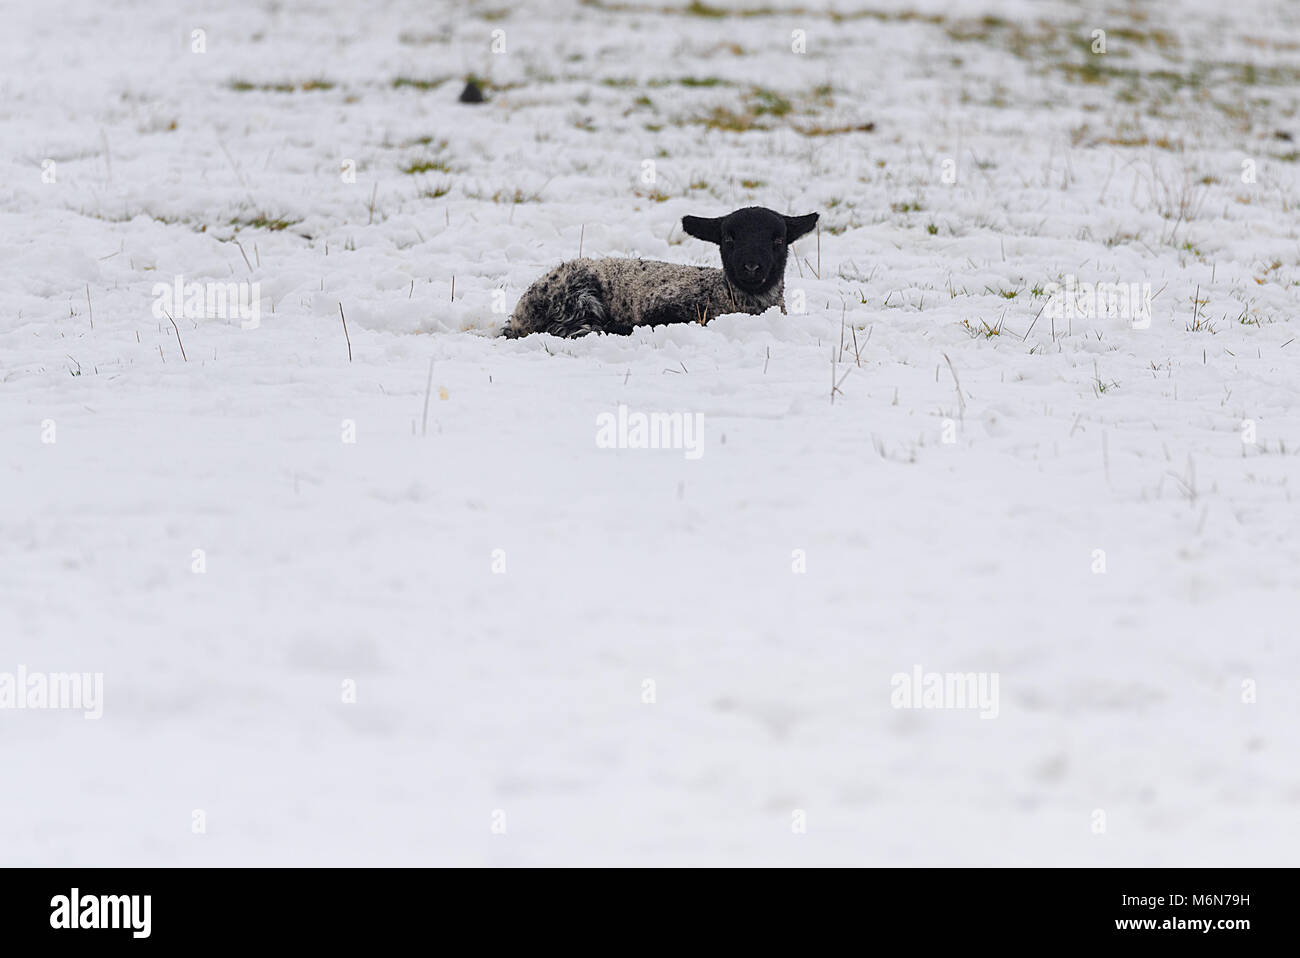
752	269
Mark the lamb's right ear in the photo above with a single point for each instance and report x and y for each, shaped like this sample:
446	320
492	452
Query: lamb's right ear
709	230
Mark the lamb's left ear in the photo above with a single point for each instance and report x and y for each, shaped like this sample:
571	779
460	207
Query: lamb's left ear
796	226
709	230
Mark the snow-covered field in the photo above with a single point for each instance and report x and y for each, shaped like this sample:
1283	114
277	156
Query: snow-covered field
568	654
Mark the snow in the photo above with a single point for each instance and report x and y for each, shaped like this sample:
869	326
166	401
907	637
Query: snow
371	563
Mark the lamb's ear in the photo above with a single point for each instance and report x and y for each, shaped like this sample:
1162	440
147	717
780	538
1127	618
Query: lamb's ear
796	226
709	230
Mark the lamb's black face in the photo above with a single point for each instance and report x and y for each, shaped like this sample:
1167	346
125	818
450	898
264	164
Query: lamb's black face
753	243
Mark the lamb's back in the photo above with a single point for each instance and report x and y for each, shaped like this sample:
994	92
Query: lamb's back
636	290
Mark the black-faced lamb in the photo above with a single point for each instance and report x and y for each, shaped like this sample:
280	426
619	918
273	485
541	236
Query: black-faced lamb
615	295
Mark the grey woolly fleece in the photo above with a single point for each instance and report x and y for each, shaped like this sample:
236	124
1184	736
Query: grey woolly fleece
613	295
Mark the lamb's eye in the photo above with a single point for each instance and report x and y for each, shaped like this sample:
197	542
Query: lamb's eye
778	242
729	240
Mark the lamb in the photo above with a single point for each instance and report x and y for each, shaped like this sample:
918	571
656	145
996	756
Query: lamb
615	295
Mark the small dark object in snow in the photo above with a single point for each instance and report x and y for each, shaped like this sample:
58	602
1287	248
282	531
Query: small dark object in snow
1283	135
472	93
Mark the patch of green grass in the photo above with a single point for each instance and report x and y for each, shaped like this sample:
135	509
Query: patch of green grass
769	103
243	86
691	82
932	229
697	9
508	196
983	329
427	165
819	129
758	106
434	192
419	83
1099	386
1153	36
725	118
263	222
426	140
1093	71
284	86
907	206
751	184
981	30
